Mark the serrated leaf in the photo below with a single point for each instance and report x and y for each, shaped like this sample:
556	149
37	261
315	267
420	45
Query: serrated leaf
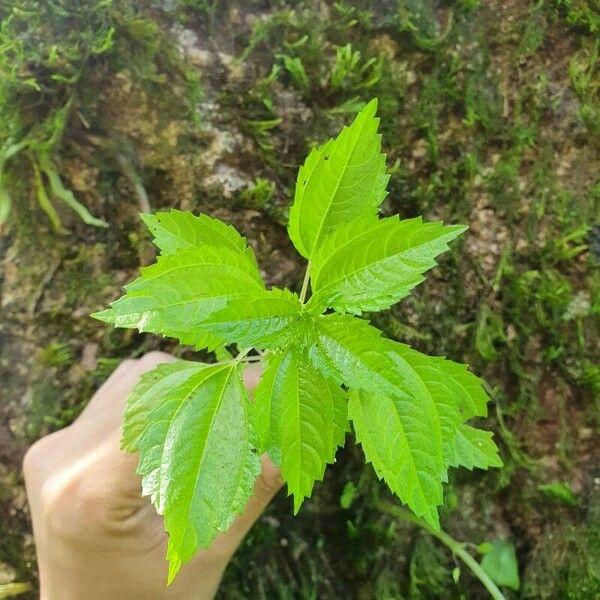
427	398
474	448
456	395
352	352
262	320
149	393
396	438
190	422
197	457
368	266
301	419
175	230
341	180
181	290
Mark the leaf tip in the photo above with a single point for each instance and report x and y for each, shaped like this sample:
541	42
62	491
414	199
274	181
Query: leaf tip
456	230
107	316
174	566
298	500
371	106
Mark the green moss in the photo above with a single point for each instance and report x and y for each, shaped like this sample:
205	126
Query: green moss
54	58
581	13
430	571
584	71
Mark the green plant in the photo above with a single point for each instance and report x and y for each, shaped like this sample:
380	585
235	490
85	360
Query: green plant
457	548
199	437
8	590
500	563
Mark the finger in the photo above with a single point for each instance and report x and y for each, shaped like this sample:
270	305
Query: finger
252	374
95	435
109	401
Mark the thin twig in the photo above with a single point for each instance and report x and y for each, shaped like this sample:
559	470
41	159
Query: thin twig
456	547
136	183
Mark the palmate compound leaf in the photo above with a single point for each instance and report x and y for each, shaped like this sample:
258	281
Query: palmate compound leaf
177	293
300	418
190	423
343	179
370	265
263	320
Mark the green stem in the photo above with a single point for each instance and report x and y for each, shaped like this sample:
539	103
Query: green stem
8	590
246	360
305	284
456	547
242	354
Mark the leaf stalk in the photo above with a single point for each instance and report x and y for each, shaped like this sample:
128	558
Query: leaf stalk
304	289
456	547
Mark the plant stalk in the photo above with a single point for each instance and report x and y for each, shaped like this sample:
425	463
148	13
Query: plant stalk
247	360
304	289
242	355
456	547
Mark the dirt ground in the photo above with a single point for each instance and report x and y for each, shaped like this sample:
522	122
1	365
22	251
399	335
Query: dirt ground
490	113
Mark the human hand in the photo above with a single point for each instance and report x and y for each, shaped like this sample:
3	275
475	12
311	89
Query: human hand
96	537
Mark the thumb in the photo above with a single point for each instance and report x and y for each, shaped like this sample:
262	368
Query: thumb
268	483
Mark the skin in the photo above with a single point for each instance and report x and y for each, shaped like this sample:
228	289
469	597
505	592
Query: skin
96	537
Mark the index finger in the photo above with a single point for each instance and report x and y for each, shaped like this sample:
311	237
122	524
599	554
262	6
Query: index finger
106	405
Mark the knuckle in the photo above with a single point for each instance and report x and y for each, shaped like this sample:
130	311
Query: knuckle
71	507
57	499
268	484
151	359
38	454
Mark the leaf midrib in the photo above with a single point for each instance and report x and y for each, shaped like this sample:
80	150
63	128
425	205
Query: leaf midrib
350	154
195	264
203	448
379	261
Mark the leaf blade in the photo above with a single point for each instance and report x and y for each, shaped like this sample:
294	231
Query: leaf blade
456	395
177	293
300	419
354	352
261	321
176	229
196	454
344	178
395	440
368	266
